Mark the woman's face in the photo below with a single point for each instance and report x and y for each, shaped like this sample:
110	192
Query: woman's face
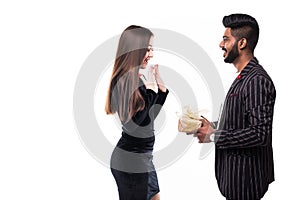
149	54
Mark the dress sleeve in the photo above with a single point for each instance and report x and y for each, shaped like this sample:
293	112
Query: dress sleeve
153	104
162	96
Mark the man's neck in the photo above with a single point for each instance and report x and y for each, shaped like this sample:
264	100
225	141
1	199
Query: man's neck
241	62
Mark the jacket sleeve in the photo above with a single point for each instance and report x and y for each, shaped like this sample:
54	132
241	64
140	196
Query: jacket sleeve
258	104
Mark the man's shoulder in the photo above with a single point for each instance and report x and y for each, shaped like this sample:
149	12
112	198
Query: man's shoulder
259	72
257	76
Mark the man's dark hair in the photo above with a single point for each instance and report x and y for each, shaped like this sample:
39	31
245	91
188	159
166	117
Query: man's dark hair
243	26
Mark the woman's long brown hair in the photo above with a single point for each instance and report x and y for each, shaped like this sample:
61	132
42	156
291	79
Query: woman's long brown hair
123	95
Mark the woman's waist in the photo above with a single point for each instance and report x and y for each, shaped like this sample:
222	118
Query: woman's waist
136	144
138	132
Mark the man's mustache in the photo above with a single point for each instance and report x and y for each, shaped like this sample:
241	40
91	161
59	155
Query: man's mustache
224	49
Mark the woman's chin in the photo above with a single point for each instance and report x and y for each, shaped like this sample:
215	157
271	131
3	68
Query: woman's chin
143	66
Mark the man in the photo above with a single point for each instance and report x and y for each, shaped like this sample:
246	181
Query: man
243	139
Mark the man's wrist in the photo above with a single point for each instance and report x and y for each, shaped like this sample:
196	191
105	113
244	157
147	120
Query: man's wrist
212	137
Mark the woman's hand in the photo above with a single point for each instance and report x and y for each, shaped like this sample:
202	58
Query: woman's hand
151	82
158	79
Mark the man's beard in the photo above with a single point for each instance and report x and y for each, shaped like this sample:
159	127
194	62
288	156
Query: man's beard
232	55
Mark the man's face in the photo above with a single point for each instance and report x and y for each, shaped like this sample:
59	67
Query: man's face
229	46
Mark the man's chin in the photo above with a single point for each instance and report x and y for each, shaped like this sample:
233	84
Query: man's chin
228	60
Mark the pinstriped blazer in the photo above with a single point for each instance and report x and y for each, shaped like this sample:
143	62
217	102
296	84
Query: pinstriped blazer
244	157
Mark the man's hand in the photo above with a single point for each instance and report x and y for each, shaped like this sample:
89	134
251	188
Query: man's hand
204	132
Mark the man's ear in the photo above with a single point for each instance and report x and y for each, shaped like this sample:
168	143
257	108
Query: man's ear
242	43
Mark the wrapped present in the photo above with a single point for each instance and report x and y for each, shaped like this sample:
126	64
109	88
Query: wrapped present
189	120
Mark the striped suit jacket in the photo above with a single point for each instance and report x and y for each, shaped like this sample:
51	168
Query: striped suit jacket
244	157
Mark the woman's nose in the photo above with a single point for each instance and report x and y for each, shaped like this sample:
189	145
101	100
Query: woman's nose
150	54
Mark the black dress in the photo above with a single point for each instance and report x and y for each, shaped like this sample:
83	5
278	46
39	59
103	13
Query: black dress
131	160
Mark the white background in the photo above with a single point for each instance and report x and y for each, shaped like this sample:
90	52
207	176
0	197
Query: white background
42	48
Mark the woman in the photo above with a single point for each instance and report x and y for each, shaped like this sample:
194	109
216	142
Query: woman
137	104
